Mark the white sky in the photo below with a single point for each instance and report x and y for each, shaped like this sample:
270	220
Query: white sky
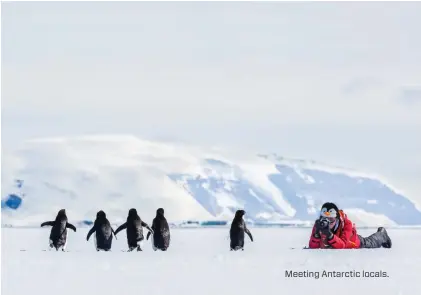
338	82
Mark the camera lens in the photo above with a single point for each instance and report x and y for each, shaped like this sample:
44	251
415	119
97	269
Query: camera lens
324	222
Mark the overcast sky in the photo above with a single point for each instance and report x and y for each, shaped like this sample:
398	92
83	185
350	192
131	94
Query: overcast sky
336	82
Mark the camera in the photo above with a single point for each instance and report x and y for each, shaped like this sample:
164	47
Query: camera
324	222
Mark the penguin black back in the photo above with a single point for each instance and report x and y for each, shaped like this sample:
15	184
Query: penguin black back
59	228
134	225
103	232
134	229
161	231
237	230
58	234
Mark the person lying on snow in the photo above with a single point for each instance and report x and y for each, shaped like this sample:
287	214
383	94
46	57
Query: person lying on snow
334	230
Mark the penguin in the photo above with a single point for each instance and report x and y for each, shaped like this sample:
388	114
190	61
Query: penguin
238	228
161	232
58	234
103	232
134	229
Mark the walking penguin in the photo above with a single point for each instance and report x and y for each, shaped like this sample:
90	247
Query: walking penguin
103	232
161	232
238	228
134	229
58	234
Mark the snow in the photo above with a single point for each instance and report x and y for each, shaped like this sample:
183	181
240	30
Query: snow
198	262
84	174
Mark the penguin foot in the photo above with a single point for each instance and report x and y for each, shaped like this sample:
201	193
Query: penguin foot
139	249
237	248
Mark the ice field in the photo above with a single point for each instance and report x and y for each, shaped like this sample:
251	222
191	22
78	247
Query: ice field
198	262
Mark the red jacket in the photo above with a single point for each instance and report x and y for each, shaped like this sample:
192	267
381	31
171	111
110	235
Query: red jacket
345	236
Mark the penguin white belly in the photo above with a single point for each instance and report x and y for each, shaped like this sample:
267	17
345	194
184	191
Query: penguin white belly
64	246
153	244
51	245
95	244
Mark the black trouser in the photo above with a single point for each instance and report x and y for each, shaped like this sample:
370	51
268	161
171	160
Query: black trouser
377	240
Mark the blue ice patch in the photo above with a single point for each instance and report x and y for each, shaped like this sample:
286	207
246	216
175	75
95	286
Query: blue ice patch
12	201
19	183
214	222
87	222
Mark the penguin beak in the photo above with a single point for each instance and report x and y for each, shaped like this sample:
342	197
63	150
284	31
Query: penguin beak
327	214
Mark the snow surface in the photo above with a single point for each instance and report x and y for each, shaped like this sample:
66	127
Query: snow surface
115	173
198	262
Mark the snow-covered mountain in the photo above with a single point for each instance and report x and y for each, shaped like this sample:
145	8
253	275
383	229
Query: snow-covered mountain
116	173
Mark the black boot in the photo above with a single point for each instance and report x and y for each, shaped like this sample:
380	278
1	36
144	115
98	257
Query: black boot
377	240
387	241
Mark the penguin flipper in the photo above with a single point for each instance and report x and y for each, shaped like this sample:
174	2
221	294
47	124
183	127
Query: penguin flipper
71	226
91	231
121	227
114	233
50	223
249	234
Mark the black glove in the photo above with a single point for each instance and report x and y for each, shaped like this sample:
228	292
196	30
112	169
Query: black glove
317	229
326	232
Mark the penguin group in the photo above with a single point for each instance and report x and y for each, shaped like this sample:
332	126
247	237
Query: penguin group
159	231
104	233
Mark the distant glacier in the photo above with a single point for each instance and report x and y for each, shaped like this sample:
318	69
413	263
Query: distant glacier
114	173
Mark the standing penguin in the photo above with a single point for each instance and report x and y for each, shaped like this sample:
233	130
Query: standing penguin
58	234
161	232
134	229
103	232
238	228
